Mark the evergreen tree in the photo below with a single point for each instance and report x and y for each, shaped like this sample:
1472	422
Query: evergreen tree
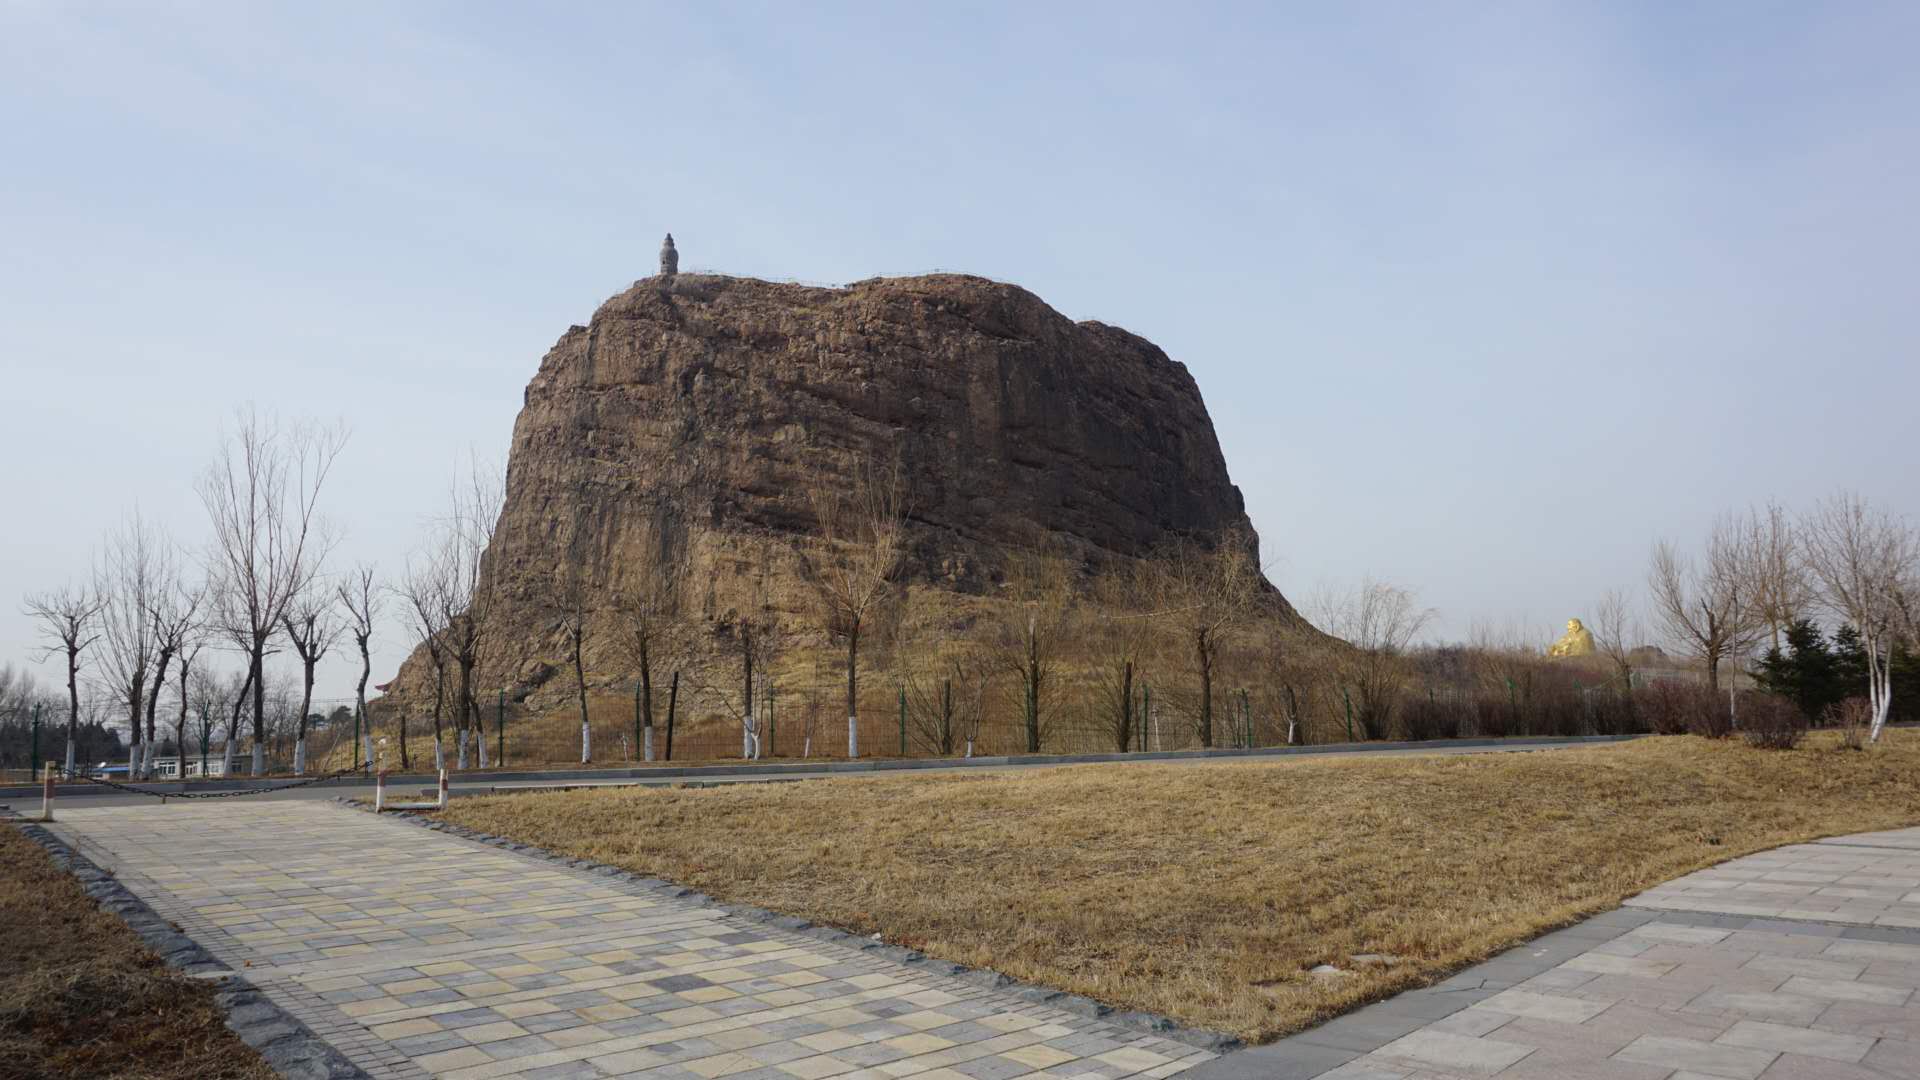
1810	672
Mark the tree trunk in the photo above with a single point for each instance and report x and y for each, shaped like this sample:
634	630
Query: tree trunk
306	703
135	701
463	704
1203	651
257	664
580	690
73	703
153	706
360	696
673	702
853	692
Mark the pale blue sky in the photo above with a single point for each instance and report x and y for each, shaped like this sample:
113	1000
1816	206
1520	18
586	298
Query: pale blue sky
1482	297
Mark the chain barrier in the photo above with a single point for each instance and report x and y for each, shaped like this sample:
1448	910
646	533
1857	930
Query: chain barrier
103	782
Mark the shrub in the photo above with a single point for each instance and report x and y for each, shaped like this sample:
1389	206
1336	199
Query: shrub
1677	708
1853	718
1772	722
1423	718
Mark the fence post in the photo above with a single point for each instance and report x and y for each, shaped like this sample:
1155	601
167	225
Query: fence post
903	721
673	699
500	729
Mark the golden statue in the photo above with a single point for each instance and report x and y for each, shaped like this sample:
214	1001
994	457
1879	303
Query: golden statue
1577	641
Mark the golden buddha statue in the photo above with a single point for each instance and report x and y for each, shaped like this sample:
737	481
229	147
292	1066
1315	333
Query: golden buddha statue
1577	641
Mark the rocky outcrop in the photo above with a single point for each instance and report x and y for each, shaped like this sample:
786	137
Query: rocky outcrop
708	408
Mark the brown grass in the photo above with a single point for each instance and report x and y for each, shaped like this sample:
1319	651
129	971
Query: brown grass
1206	892
80	996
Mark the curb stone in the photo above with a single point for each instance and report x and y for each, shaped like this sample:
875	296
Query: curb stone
288	1046
1150	1023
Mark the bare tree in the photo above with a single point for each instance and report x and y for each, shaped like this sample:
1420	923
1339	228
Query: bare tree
574	600
262	495
361	596
179	635
1770	561
313	626
187	645
1380	621
69	622
1864	560
756	630
862	540
1616	628
1207	592
647	610
423	589
1706	609
467	601
133	574
1039	620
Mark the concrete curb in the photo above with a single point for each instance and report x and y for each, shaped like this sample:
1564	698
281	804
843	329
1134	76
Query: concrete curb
694	772
288	1046
1148	1023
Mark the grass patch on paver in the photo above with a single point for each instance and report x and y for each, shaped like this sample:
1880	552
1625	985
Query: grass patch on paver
1207	893
80	996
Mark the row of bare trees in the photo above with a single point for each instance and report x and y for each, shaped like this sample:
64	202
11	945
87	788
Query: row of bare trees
1845	560
152	607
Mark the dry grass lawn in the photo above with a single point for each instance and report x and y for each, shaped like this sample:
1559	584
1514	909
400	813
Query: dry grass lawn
81	997
1207	892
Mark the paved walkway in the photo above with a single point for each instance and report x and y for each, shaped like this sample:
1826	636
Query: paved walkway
1795	964
420	954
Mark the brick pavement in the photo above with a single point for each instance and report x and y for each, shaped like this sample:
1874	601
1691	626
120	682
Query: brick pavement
420	954
1800	963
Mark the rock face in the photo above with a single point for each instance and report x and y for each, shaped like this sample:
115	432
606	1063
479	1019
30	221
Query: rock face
707	408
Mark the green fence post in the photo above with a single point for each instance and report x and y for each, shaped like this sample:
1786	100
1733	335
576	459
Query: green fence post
903	721
500	729
1348	698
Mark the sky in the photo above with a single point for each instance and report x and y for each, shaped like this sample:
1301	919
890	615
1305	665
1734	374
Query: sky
1483	298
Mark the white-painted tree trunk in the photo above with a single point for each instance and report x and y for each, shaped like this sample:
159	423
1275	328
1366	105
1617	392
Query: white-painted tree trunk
300	756
133	762
1879	687
69	757
480	741
806	747
646	741
969	747
226	758
463	748
586	742
439	755
366	744
853	736
259	759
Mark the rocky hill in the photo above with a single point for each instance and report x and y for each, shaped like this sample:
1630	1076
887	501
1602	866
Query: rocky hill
706	409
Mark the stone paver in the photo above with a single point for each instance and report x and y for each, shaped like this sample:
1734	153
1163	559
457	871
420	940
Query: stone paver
420	954
1801	963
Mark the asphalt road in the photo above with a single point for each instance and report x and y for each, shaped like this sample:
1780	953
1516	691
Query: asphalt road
483	786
